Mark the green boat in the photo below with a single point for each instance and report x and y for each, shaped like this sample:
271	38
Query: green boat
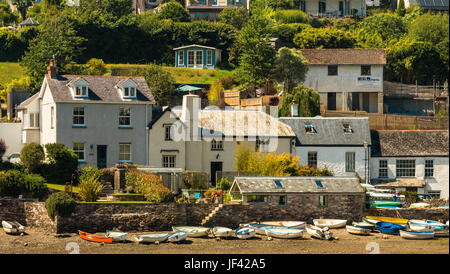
384	203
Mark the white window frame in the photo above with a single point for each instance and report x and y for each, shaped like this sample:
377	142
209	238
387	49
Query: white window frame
429	168
181	58
350	161
33	119
129	92
169	161
196	57
312	157
209	57
81	91
168	132
78	116
189	52
401	171
121	153
52	116
384	168
323	201
77	150
124	117
216	144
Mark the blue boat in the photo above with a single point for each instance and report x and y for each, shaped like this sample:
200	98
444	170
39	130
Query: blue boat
389	228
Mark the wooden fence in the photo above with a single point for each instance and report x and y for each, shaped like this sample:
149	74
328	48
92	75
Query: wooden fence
417	91
392	121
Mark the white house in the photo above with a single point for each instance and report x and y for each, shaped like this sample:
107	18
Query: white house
411	160
347	79
427	5
102	118
340	144
210	9
205	140
334	8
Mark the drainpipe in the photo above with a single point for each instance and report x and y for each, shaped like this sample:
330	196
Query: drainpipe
146	135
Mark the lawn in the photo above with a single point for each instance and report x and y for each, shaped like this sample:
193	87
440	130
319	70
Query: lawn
9	72
75	189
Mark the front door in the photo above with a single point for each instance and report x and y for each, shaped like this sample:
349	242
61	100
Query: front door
341	8
101	156
331	100
215	166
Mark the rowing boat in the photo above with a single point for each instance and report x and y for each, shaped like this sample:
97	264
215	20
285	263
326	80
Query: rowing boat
151	238
177	236
94	238
192	231
384	203
220	231
416	235
117	236
330	223
284	232
317	232
357	230
245	232
364	225
370	221
388	219
12	227
260	228
436	225
420	228
289	224
389	228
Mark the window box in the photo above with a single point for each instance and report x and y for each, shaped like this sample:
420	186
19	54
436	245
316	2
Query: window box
79	126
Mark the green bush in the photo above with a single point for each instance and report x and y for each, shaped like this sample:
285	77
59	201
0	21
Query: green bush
63	163
60	204
224	184
14	183
291	16
411	197
90	172
32	155
149	185
35	184
89	189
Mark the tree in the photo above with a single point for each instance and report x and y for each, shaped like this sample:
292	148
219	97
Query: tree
6	15
290	68
32	155
388	26
291	16
22	6
3	148
95	67
235	16
160	83
312	38
174	11
257	56
308	101
63	162
117	8
401	11
57	38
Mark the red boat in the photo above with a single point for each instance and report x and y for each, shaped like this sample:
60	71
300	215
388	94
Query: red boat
94	238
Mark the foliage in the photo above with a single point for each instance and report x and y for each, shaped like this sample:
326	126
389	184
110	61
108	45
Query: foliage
3	148
290	68
312	38
14	44
224	184
174	11
287	32
60	204
305	170
107	175
214	92
291	16
14	182
401	11
22	6
32	155
63	162
89	189
149	185
160	83
90	173
35	184
195	180
95	67
308	101
411	196
388	26
6	15
256	54
235	16
442	113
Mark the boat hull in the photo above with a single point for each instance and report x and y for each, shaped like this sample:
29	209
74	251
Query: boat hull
388	219
177	236
12	227
289	224
151	238
364	225
192	231
284	233
315	232
389	228
94	238
330	223
413	235
245	233
260	228
222	232
117	236
357	230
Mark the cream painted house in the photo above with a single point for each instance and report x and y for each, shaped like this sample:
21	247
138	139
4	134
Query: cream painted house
347	79
210	9
411	160
205	140
102	118
334	8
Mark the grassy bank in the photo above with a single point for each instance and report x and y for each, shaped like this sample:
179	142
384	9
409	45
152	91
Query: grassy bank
9	72
75	189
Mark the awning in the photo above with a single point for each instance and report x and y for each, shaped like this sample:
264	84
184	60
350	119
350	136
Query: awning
187	88
403	183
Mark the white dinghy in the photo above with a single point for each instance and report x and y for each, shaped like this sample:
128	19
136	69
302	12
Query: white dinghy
245	233
420	228
330	223
364	225
178	236
13	227
117	236
222	232
289	224
284	233
357	230
151	238
192	231
315	232
414	235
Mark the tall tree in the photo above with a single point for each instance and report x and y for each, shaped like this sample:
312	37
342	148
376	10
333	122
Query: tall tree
160	82
235	16
308	101
174	11
290	68
22	6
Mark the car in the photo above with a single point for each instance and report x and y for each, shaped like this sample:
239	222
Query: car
14	158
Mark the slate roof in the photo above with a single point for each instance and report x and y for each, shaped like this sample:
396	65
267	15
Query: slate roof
409	143
292	185
329	131
433	4
29	22
402	183
27	101
246	123
345	56
101	88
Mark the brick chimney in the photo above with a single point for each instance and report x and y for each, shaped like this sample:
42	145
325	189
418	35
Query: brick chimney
51	69
294	109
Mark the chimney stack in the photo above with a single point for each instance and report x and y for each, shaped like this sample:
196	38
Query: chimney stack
294	109
51	69
190	116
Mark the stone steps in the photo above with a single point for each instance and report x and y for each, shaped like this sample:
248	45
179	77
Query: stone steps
212	214
107	189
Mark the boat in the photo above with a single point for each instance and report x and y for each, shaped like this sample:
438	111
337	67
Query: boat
290	224
420	228
192	231
260	228
117	236
420	205
178	236
94	238
13	227
220	231
389	228
315	232
415	235
388	219
245	232
330	223
151	238
364	225
391	207
436	225
385	203
370	221
284	232
357	230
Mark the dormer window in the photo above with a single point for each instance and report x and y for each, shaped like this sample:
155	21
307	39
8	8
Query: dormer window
310	129
79	87
81	91
127	88
347	128
129	92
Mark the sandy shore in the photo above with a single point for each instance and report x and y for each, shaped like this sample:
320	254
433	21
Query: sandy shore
41	242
